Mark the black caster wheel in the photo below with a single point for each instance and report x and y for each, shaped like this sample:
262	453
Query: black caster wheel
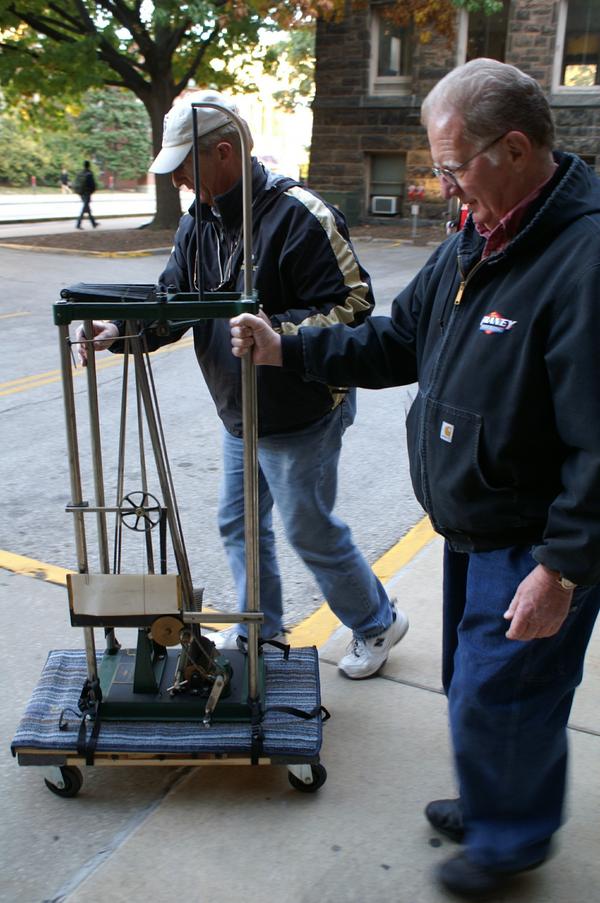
73	781
319	776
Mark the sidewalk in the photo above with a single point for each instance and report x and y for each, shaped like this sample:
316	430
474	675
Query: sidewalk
220	834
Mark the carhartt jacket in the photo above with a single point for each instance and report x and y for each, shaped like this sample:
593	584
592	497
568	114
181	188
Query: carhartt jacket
504	434
306	272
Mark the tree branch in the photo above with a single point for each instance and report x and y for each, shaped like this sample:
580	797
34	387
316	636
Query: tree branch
43	24
191	70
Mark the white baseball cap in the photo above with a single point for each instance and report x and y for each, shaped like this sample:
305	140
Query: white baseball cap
178	130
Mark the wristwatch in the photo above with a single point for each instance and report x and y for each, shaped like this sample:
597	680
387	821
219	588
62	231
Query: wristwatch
565	583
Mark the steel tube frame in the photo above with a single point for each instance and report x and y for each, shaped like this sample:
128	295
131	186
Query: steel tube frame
249	393
76	489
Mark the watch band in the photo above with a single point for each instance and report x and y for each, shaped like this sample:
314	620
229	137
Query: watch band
565	583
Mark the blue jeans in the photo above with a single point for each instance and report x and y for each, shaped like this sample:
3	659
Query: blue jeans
509	702
298	472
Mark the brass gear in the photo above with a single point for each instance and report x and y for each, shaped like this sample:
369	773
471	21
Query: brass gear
166	630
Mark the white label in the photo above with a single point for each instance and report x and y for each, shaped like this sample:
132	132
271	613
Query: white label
414	209
447	431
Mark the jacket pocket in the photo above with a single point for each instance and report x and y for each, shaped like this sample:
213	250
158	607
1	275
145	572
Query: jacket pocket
457	494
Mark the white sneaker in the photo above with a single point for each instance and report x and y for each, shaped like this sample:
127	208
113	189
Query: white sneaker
365	657
227	639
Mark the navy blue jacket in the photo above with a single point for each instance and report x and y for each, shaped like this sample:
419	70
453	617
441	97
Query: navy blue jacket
306	272
504	434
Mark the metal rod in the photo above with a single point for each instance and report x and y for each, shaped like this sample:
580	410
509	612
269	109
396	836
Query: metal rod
198	208
96	447
249	408
75	478
165	484
225	617
98	470
121	461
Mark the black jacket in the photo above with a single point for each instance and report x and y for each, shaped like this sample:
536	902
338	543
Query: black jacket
504	435
306	272
85	183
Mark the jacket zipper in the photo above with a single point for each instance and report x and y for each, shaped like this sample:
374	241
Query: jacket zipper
434	378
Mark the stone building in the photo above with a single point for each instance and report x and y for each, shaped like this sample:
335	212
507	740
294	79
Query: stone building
369	150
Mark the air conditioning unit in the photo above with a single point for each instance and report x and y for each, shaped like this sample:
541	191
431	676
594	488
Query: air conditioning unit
384	204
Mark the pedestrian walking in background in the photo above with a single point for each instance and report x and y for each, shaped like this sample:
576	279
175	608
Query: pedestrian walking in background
85	186
500	328
65	188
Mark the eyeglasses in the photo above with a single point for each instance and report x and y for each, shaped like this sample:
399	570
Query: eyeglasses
441	172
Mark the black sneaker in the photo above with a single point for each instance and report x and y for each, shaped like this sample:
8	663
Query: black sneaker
446	817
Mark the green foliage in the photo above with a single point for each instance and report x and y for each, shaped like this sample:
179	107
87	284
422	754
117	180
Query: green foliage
297	55
59	49
489	7
112	130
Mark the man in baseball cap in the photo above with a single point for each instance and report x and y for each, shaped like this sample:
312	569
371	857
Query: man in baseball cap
306	273
178	128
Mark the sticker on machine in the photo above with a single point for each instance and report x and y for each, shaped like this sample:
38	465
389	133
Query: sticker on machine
495	322
447	431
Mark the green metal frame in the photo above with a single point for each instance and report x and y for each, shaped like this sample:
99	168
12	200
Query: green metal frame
170	308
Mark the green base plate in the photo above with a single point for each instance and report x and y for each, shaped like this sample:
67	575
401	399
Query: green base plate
121	703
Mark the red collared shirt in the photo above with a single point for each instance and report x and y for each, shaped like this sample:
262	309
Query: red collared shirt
498	238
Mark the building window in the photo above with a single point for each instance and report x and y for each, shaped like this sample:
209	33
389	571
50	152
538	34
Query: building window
387	174
577	63
391	56
483	35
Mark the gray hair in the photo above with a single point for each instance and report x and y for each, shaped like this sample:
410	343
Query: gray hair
492	98
227	132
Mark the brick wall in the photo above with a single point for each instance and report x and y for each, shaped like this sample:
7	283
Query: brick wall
350	124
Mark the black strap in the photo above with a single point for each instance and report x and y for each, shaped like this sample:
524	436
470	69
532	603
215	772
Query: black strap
89	703
87	747
285	647
301	713
257	734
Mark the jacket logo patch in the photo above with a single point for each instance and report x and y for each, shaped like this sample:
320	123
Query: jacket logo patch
495	322
447	431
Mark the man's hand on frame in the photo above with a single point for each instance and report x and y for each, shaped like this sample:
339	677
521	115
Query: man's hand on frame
248	331
104	335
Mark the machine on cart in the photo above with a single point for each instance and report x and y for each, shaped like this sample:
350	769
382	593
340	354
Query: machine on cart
174	699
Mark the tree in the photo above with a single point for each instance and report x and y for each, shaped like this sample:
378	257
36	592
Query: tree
59	48
113	129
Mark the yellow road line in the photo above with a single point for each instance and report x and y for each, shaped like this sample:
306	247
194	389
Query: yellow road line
25	383
20	313
313	631
29	567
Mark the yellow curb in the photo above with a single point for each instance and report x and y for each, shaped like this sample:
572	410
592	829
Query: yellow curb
313	631
84	252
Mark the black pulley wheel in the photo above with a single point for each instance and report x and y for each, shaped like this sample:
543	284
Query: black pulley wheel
140	511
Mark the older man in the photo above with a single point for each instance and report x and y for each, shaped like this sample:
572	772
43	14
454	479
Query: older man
306	272
501	330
